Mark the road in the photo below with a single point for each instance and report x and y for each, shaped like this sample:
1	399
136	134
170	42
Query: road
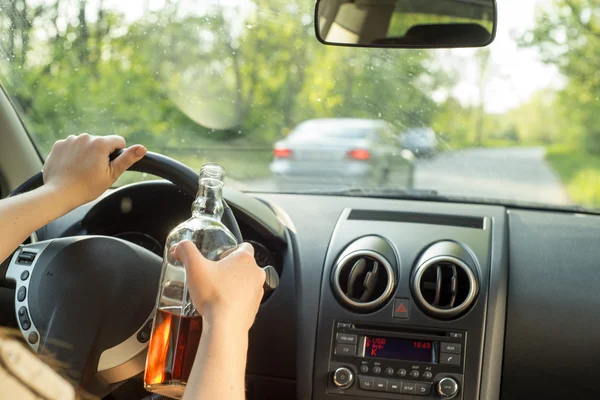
517	174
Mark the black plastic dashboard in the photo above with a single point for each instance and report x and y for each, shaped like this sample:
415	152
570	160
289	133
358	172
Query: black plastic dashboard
530	332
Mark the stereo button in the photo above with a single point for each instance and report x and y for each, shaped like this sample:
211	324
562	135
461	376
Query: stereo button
364	369
422	389
427	375
453	348
389	371
345	338
449	359
343	378
447	388
401	372
395	387
414	374
376	370
408	387
380	385
345	350
365	382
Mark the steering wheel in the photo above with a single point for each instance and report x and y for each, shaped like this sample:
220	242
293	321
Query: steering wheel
89	300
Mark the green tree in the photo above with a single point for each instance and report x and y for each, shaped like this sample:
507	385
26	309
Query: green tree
568	36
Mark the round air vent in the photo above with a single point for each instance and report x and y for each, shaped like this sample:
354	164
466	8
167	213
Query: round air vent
363	280
444	287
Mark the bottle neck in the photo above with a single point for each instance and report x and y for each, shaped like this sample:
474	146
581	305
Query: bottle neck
209	201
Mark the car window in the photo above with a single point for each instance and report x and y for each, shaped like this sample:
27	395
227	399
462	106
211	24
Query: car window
331	132
230	81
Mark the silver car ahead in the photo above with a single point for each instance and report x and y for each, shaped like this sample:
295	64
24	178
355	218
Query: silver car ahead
421	141
342	152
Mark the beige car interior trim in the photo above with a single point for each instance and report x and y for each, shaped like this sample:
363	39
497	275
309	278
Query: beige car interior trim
19	159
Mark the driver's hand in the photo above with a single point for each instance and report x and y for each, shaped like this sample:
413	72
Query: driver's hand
227	292
79	166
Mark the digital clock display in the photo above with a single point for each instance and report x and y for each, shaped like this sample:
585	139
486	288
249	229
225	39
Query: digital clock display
400	349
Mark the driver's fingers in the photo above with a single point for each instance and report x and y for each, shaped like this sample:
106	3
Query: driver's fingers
194	262
127	158
113	142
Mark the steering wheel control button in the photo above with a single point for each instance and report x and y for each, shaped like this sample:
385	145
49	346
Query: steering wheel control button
24	318
401	372
408	387
427	375
452	348
380	385
33	338
21	293
343	378
401	308
447	388
366	382
449	359
144	335
377	370
364	369
395	387
389	371
345	350
25	257
422	389
24	275
345	338
414	374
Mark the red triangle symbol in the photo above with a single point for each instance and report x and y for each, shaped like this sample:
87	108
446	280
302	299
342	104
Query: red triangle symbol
401	308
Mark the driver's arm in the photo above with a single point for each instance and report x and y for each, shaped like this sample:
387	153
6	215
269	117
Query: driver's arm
77	171
227	294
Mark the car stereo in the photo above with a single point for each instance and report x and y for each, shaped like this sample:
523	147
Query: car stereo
392	363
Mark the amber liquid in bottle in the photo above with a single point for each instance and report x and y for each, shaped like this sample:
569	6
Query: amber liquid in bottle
172	350
178	325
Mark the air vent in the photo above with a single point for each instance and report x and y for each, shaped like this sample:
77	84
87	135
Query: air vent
363	280
444	287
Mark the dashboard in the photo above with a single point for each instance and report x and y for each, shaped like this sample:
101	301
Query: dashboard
396	299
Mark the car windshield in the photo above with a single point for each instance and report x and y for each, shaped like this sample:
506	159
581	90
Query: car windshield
232	82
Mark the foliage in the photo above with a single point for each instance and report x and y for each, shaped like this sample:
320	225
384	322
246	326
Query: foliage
567	34
580	173
180	78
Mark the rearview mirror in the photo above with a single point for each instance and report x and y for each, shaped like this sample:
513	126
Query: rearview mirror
406	23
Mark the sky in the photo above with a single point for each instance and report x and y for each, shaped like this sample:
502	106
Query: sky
515	73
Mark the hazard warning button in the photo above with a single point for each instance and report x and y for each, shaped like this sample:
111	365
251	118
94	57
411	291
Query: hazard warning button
401	308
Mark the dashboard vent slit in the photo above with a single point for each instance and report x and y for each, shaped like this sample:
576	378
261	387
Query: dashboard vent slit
357	270
438	286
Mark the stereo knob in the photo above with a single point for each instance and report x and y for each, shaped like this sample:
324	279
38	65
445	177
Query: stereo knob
447	388
343	378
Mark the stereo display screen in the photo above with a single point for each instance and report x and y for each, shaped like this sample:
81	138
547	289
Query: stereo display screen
400	349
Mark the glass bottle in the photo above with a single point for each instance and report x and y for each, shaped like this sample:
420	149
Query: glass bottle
177	325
